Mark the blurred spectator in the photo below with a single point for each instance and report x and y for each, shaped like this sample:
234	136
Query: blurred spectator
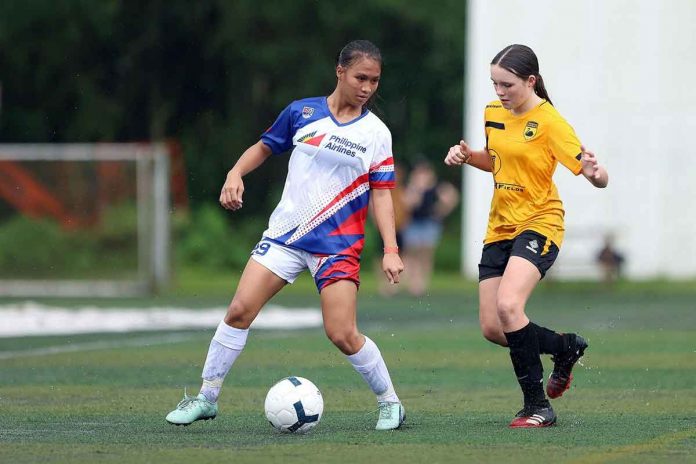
610	260
430	202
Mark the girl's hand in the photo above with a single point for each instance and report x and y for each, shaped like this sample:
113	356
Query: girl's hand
232	191
458	154
590	167
392	267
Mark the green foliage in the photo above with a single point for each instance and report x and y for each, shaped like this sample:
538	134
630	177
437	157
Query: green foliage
214	74
448	252
119	224
210	240
39	248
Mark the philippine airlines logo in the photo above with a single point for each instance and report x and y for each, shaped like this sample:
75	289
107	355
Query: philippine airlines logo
311	138
307	112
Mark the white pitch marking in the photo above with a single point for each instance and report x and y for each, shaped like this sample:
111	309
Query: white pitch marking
31	318
103	345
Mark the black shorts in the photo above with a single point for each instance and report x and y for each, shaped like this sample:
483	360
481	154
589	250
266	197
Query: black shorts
529	245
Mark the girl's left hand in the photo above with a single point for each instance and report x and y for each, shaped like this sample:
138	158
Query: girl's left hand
590	168
392	267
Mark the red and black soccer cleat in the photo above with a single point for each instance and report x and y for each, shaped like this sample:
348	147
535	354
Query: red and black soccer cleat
533	417
561	377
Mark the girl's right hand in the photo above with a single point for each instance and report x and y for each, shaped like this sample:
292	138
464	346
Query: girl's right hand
232	191
458	154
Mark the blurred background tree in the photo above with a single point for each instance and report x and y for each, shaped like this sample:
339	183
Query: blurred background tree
213	74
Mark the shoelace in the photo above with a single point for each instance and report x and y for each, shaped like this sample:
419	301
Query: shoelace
385	411
186	403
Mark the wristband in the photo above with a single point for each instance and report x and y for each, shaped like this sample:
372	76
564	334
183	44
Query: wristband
394	249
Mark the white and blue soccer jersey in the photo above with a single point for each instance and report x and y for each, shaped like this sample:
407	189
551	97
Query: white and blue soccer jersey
331	170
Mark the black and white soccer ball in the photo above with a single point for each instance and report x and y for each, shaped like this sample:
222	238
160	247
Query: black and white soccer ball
294	405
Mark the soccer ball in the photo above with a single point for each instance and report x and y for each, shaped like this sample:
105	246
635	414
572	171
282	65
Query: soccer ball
294	405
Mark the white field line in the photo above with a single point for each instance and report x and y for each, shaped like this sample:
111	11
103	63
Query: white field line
31	318
104	345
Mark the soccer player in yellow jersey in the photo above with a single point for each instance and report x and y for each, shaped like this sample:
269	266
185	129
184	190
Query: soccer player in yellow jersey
526	138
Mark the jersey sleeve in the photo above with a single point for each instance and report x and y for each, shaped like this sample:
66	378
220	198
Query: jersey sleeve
486	127
382	168
565	146
279	136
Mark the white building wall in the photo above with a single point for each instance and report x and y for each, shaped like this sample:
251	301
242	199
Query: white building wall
623	73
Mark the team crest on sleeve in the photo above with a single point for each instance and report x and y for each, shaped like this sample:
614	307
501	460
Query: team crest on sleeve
530	130
307	112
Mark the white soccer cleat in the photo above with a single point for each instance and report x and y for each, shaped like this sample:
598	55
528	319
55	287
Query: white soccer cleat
192	409
391	415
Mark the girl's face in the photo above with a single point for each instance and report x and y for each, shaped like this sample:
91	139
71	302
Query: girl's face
512	90
359	81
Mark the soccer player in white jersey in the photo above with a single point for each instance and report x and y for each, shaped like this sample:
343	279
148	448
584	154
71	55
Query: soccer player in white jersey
341	159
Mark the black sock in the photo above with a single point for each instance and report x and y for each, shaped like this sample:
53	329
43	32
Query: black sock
550	342
524	353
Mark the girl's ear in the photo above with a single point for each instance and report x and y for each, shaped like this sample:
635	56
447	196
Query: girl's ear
531	80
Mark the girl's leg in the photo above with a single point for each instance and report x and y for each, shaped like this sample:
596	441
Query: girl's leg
415	270
518	282
550	342
256	286
338	305
427	262
489	321
516	286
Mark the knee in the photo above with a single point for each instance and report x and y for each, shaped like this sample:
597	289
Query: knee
493	334
346	340
238	315
508	309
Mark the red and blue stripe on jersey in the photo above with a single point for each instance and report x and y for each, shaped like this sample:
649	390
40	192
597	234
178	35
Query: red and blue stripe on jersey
332	168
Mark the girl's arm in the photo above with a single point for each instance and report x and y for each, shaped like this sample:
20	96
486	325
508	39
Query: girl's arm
383	209
463	154
233	189
592	170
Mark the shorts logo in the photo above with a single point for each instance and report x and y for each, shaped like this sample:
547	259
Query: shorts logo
307	112
530	130
533	246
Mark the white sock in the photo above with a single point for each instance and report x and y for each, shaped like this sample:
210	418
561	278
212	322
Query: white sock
226	345
370	364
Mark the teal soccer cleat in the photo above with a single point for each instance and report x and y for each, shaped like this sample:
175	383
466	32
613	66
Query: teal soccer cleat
191	409
391	416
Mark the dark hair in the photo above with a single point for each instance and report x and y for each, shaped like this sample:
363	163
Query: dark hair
522	62
358	49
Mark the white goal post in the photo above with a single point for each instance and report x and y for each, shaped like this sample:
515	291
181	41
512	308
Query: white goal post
36	175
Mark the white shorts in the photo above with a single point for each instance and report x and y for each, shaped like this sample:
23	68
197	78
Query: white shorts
288	263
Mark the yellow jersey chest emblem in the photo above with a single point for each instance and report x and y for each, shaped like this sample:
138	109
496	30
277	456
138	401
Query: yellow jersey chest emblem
530	130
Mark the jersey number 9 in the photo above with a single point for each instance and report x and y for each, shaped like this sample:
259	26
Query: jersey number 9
261	248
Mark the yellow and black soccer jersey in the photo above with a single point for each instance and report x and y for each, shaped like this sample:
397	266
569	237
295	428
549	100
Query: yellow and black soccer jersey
525	150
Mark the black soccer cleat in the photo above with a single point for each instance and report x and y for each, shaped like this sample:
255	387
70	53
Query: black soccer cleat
561	377
534	417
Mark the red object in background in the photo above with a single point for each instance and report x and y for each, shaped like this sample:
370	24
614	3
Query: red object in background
179	190
25	192
21	190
